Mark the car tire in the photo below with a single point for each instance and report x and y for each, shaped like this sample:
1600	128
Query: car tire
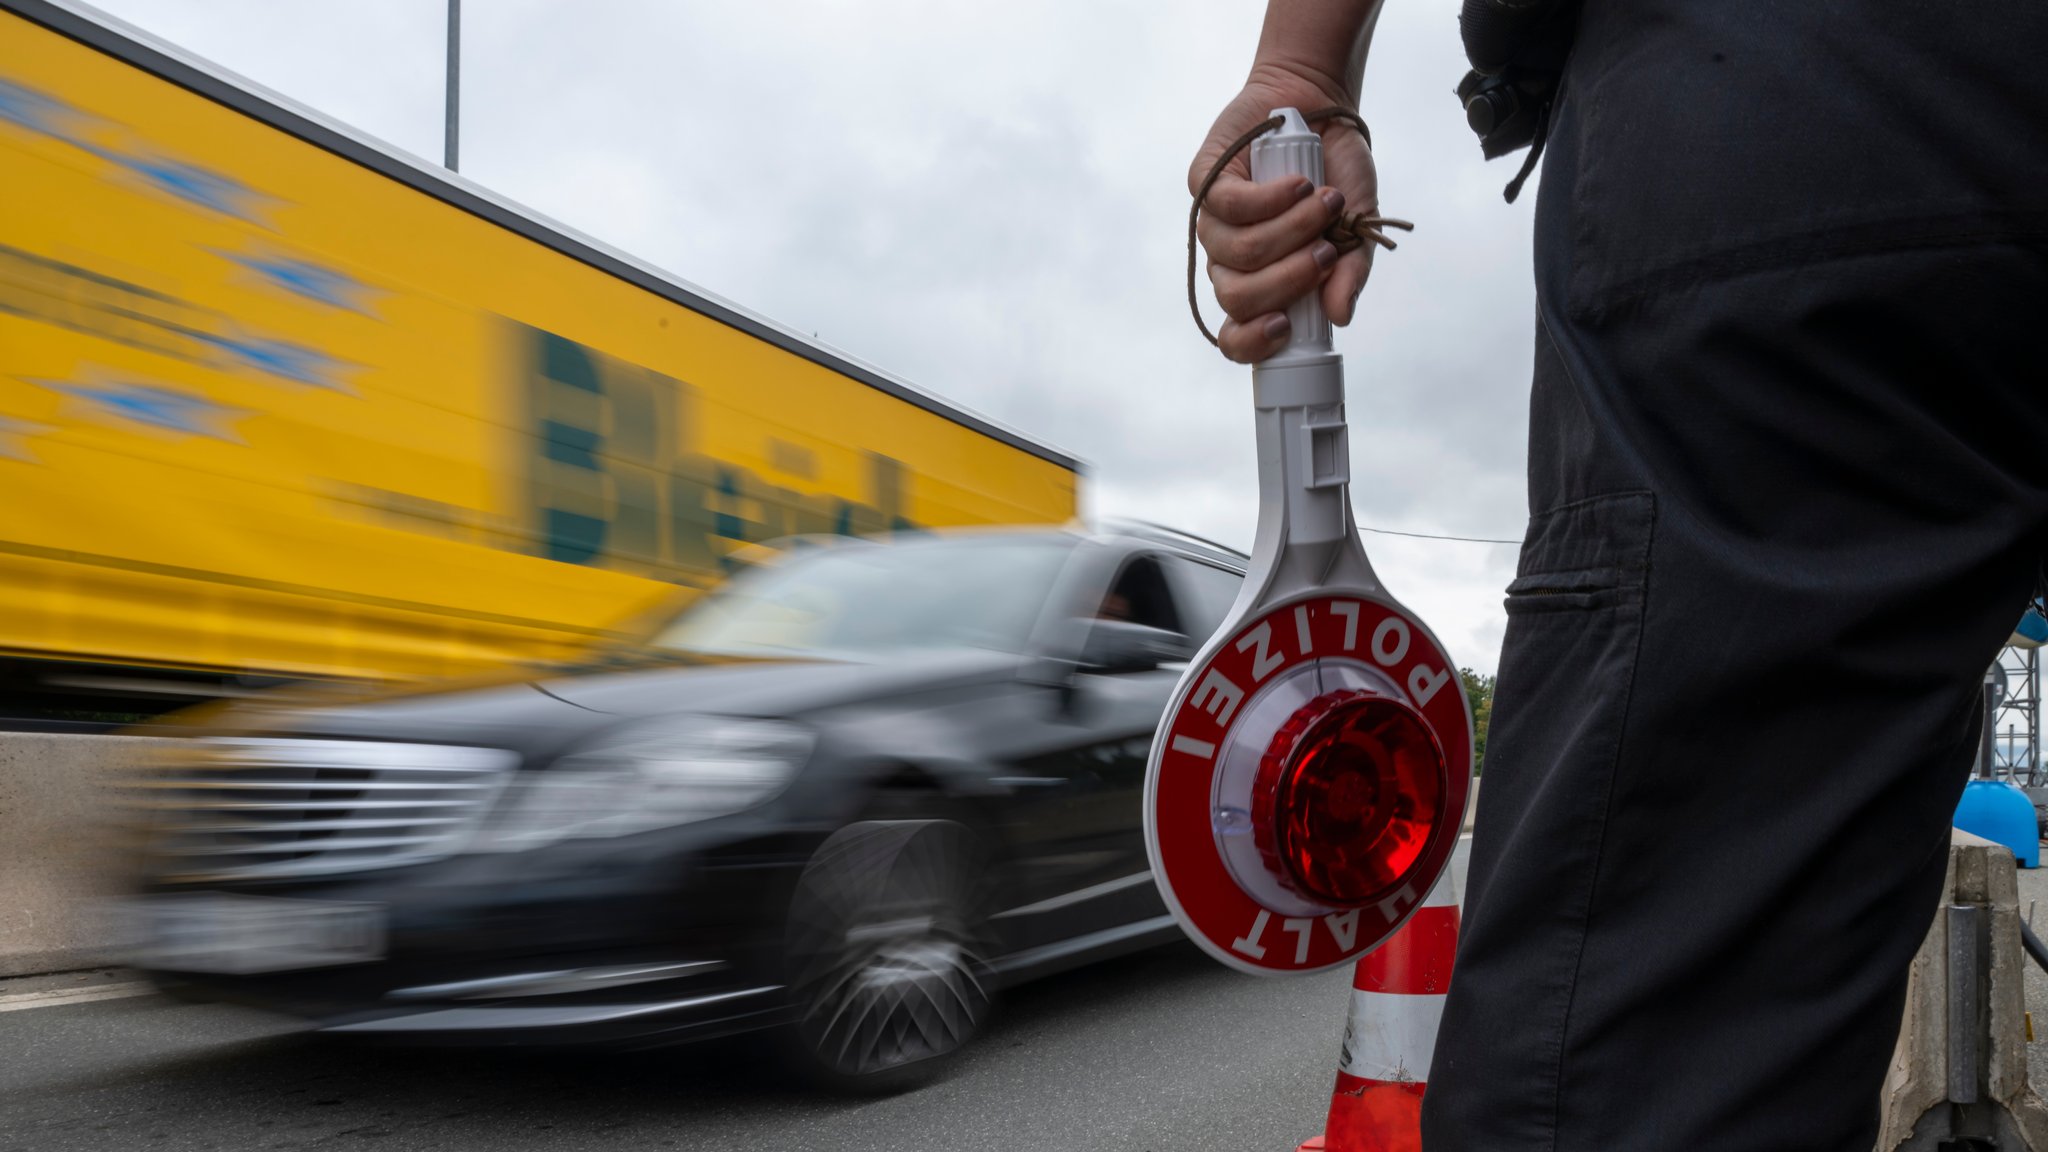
886	955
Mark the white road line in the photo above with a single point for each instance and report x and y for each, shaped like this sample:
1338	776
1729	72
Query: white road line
58	997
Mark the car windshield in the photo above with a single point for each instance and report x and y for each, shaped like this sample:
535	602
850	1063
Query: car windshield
864	600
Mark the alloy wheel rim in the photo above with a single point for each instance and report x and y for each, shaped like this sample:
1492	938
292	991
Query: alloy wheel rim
899	989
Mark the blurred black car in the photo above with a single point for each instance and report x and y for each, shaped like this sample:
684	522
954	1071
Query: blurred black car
851	796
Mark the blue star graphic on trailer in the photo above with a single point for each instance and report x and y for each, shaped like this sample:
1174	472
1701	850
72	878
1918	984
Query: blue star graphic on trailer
307	279
164	408
190	183
34	111
37	112
284	359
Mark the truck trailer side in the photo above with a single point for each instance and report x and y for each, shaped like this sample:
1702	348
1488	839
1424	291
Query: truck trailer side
278	400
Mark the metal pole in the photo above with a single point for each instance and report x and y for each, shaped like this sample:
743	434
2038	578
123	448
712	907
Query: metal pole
2034	776
450	134
1966	1023
1988	731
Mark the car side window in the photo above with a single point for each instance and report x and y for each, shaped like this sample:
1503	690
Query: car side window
1206	594
1140	595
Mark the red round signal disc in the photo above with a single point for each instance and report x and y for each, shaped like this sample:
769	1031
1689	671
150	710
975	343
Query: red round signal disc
1348	795
1358	797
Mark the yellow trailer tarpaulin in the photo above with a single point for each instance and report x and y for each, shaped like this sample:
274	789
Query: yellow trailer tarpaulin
273	398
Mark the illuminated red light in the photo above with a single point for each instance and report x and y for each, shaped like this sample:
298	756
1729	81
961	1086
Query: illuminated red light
1348	795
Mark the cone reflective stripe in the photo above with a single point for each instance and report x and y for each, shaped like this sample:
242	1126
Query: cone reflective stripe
1397	1002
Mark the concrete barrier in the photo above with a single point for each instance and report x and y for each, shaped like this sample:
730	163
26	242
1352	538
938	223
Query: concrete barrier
57	846
1958	1078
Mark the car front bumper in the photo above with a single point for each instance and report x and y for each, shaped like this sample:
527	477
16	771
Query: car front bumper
617	944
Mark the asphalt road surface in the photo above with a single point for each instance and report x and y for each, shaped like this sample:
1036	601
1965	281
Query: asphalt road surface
2034	906
1164	1050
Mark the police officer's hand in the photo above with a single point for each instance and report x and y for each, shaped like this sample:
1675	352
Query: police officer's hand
1264	241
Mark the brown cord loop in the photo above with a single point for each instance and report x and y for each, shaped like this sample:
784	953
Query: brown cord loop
1351	231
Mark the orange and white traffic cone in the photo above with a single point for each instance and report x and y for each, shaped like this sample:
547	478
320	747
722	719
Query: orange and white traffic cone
1397	1001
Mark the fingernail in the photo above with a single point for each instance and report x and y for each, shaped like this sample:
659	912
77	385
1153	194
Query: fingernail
1325	253
1333	200
1276	327
1302	189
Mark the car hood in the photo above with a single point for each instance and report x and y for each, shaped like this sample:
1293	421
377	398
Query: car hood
537	713
755	687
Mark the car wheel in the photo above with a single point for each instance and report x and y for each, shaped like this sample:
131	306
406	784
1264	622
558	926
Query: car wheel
887	954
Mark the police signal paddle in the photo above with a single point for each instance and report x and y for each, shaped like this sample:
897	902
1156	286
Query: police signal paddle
1307	783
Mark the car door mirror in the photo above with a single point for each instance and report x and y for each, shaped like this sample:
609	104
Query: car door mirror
1121	646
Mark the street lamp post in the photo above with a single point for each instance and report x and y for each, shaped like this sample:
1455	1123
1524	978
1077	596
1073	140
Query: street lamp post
451	134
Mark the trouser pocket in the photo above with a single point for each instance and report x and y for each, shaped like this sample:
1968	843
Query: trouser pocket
1575	611
1575	617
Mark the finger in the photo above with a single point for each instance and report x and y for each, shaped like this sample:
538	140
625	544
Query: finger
1235	200
1248	248
1346	281
1244	295
1255	340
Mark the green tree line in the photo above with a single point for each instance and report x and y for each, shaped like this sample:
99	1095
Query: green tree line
1479	690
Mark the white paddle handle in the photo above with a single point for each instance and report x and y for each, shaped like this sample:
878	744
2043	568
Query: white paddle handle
1304	447
1295	149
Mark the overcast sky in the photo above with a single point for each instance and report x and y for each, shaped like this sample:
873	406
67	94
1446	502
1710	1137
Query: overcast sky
990	201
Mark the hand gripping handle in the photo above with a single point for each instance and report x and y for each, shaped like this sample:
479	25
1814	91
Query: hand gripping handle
1306	537
1295	149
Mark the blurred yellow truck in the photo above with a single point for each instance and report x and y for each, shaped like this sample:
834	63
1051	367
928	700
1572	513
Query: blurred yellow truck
276	399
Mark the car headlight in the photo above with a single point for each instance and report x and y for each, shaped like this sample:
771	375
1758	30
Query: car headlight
645	778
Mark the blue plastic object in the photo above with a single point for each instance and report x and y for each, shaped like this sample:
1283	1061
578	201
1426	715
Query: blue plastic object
2033	628
2000	812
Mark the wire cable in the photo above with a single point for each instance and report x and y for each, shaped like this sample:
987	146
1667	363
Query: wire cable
1433	536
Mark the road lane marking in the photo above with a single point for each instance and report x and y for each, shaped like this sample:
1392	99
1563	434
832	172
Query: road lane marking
58	997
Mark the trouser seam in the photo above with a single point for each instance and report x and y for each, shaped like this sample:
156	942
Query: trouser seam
1614	771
